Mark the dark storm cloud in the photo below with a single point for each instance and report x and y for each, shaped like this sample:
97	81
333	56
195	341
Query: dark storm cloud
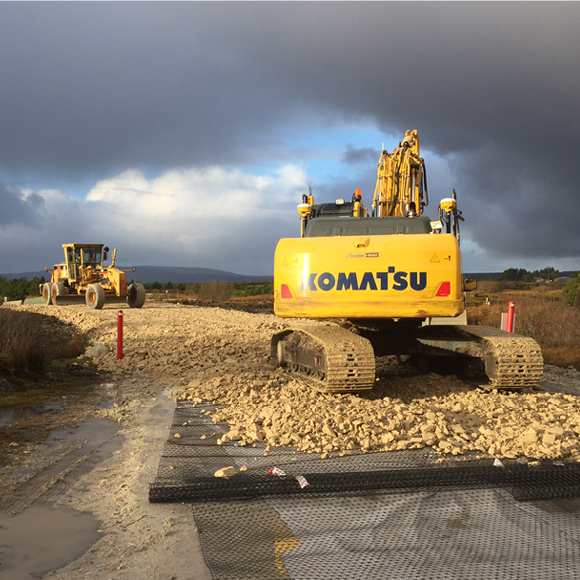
17	209
355	156
101	86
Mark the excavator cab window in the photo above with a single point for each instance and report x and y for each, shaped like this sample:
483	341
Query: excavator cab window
338	226
333	209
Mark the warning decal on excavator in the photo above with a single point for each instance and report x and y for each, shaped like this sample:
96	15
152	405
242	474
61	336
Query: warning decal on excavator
434	259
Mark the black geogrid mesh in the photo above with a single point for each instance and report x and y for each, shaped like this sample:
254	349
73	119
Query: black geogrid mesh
471	534
370	516
187	467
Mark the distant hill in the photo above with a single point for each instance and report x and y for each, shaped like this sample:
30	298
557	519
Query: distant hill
496	275
164	274
177	275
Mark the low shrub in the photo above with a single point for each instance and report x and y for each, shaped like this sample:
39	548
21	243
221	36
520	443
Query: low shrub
570	292
30	340
28	358
562	357
218	291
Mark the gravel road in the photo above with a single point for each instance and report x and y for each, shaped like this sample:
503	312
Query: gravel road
222	356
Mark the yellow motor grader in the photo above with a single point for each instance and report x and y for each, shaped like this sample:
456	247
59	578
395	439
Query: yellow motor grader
83	278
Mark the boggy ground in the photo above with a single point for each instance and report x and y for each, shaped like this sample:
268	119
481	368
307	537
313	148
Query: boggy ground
222	356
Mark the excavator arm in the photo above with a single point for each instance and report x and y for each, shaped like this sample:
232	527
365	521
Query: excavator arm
401	188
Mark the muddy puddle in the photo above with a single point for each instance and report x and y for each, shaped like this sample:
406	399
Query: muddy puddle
90	434
35	536
43	538
11	415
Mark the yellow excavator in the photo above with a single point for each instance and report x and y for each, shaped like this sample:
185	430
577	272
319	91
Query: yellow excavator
391	277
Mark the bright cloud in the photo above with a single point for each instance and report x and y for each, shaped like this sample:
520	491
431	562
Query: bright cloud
212	217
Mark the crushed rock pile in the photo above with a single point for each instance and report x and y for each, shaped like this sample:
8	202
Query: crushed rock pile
450	418
222	357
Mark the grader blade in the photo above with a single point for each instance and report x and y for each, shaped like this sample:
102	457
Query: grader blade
68	299
80	299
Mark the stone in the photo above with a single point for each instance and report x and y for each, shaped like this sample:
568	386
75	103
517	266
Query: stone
255	433
327	430
225	472
233	435
529	437
548	439
386	438
98	350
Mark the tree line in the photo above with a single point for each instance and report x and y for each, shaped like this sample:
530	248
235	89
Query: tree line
521	275
570	292
19	289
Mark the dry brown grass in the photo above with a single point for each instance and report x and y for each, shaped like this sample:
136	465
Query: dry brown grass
544	317
29	340
218	291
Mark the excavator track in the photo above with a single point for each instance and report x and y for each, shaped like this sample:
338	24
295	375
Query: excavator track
511	361
345	362
342	360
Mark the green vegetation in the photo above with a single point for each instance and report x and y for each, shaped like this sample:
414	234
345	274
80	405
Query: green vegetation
254	289
20	288
570	292
168	286
220	291
521	275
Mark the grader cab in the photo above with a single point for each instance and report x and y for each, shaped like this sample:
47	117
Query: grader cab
82	277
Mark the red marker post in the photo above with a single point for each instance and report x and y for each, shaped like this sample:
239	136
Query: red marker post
119	335
510	317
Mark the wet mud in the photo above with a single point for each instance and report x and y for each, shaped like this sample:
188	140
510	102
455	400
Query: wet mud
43	538
37	537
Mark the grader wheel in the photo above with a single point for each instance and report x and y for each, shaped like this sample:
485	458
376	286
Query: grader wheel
136	295
95	297
58	289
47	293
